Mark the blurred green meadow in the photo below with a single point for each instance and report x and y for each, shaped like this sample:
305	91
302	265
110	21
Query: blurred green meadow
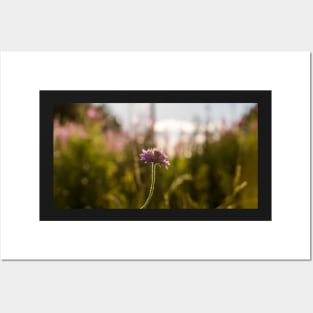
96	161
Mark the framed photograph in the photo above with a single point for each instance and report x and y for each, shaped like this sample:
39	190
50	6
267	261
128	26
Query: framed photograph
155	155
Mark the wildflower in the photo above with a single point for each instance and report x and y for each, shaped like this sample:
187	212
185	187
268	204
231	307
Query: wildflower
155	156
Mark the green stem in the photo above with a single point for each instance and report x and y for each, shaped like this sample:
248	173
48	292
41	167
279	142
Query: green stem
152	185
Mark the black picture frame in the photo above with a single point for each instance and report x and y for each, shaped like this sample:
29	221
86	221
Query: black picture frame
47	99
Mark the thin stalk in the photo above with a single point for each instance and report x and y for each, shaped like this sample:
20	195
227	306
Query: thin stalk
152	185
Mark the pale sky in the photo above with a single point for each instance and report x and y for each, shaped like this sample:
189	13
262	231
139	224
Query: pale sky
175	119
202	112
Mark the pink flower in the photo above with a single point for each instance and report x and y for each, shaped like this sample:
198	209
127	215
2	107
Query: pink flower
92	113
156	156
63	132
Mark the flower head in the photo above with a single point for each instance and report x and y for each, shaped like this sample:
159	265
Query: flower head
156	156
